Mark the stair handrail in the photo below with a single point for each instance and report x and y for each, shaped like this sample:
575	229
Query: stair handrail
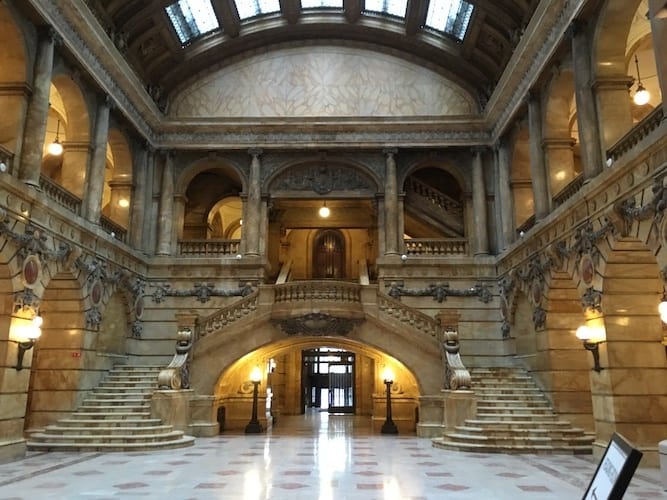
227	315
407	315
457	376
285	270
434	196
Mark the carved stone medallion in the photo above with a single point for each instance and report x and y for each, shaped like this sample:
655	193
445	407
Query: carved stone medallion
32	270
139	307
587	269
96	290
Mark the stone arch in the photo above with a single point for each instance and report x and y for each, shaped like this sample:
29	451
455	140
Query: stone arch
632	388
203	185
233	390
225	166
225	219
611	35
338	262
14	70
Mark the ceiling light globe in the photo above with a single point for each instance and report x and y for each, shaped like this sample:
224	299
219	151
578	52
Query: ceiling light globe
55	148
642	96
324	212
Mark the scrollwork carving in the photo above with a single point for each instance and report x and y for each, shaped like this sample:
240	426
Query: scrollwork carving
441	291
202	291
592	300
317	324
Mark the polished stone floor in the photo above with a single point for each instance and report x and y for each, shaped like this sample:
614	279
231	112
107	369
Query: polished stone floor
318	457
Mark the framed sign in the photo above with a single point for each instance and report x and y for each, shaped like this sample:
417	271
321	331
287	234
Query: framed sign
614	471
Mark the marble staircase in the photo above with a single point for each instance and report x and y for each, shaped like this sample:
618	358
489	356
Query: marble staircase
116	416
513	416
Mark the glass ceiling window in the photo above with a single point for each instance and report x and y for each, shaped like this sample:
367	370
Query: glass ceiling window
449	16
391	7
253	8
318	4
192	18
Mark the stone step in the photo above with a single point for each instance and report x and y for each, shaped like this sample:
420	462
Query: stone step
109	422
119	408
507	431
517	416
118	394
129	401
522	440
511	403
102	415
487	409
88	430
148	386
183	442
516	424
532	449
511	396
41	437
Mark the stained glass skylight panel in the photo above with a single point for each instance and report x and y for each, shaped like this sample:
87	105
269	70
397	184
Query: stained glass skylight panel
192	18
321	4
391	7
449	16
254	8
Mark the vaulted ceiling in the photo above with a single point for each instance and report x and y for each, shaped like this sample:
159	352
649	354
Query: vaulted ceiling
143	31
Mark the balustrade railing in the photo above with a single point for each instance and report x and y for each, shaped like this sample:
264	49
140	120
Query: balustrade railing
115	230
59	194
208	248
434	196
568	191
651	122
228	315
423	247
411	317
317	290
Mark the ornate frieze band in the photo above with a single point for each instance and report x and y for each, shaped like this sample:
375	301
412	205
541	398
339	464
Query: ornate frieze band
202	291
441	291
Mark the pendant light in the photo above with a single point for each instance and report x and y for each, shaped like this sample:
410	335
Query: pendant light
324	211
55	148
642	95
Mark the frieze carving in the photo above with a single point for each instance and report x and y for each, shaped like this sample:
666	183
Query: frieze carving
627	210
322	179
441	291
202	291
317	324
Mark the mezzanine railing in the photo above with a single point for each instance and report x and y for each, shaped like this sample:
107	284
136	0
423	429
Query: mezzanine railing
441	247
209	248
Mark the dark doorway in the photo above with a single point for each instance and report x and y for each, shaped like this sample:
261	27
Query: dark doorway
329	255
328	381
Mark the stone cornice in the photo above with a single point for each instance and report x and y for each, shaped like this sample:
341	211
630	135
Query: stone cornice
87	40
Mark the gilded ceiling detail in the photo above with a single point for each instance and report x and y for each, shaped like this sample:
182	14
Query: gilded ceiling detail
323	82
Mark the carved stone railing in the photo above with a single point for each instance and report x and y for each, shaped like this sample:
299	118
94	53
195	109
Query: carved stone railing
175	376
651	122
568	191
228	315
59	194
422	247
410	317
115	230
434	196
208	248
336	291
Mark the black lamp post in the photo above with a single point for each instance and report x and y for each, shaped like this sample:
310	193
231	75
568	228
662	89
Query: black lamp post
254	427
389	427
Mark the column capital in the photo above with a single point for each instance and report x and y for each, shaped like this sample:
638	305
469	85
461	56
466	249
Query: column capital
576	27
389	151
47	32
255	152
478	150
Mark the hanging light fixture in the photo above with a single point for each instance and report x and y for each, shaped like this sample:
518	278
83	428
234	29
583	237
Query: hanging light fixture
55	148
324	211
642	95
662	307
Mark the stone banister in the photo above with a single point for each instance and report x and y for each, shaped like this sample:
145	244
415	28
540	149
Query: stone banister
322	290
228	315
407	315
434	196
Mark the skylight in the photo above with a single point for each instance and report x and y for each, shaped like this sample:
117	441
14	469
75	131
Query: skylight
192	18
318	4
391	7
253	8
449	16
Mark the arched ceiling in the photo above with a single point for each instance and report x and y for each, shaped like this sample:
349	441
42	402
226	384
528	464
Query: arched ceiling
145	34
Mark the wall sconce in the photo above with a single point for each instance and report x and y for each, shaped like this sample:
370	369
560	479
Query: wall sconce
27	331
254	427
389	427
591	342
324	211
642	95
55	148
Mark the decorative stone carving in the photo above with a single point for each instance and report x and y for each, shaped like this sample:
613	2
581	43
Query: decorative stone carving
317	324
457	375
441	291
176	375
26	300
539	318
322	179
93	317
592	300
203	292
32	242
628	211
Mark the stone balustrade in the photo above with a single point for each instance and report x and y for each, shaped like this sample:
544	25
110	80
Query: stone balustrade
209	248
335	291
228	315
60	195
423	247
407	315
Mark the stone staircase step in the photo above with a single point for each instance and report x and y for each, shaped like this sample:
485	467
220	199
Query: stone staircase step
135	423
90	415
101	431
106	438
183	442
130	401
518	440
532	449
512	403
130	409
517	424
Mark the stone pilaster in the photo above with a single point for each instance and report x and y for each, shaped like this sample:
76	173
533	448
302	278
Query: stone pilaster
252	220
658	17
139	194
390	203
94	185
541	197
166	215
479	204
505	194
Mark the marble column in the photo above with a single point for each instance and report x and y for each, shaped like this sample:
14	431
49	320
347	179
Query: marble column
658	17
139	194
253	215
390	203
94	185
479	204
614	106
505	194
589	133
119	205
541	198
166	215
382	237
151	205
73	171
38	110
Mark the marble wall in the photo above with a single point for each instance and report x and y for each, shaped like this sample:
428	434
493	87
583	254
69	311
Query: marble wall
323	82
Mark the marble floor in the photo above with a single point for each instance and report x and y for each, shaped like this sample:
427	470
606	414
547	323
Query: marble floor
318	457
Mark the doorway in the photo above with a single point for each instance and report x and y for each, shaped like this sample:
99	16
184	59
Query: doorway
328	380
329	255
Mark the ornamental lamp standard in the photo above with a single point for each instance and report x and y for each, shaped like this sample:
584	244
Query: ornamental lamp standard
26	332
254	427
592	338
389	427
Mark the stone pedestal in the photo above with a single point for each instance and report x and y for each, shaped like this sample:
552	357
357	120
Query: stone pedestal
459	405
431	416
203	417
173	408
